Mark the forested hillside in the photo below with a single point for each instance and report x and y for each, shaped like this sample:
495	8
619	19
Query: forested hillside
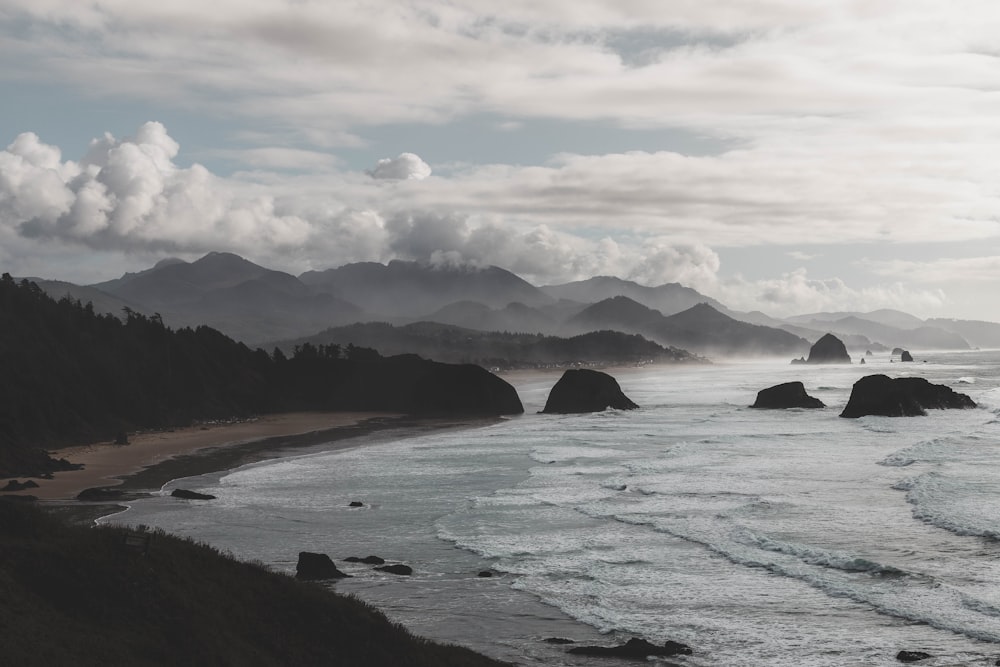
70	375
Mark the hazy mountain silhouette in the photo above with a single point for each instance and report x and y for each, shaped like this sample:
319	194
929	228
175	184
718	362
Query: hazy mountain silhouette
922	337
235	296
413	289
976	332
701	329
103	302
885	316
515	317
668	298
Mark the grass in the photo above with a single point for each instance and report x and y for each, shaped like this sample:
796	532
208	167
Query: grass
78	595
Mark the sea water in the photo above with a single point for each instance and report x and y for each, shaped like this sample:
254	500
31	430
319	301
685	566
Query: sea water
758	537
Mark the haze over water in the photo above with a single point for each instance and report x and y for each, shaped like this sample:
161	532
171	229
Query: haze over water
757	537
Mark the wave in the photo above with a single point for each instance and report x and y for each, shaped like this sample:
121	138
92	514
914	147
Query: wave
886	589
957	506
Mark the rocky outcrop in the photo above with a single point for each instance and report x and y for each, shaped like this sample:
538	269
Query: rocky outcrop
191	495
828	350
316	566
15	485
896	351
906	356
786	395
585	390
397	568
638	649
368	560
901	397
912	656
407	383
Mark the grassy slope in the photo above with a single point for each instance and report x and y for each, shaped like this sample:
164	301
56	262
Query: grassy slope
76	595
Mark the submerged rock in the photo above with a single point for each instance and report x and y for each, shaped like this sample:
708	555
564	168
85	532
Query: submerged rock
316	566
368	560
633	648
585	390
828	350
404	570
901	397
786	395
912	656
15	485
191	495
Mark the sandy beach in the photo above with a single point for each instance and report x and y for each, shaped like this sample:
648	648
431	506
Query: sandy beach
107	464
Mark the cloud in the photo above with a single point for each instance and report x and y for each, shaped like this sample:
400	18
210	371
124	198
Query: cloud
406	166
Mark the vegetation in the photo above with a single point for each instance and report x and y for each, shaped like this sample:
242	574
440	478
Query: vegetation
496	349
82	596
71	375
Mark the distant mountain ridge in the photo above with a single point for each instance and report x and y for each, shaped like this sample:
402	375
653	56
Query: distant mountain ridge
701	329
258	305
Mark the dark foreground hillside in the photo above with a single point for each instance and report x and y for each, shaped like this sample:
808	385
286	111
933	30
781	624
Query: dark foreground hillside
79	596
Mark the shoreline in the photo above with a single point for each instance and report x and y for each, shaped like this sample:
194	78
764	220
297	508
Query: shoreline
155	458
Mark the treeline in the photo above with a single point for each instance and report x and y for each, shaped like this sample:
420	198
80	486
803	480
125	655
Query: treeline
499	349
70	375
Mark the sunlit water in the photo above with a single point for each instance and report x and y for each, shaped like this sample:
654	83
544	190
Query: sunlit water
758	537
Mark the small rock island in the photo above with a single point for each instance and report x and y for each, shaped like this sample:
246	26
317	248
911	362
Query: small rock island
786	395
584	390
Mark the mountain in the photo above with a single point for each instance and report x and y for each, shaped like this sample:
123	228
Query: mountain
412	289
885	316
474	315
922	337
101	301
701	329
235	296
668	298
976	332
494	349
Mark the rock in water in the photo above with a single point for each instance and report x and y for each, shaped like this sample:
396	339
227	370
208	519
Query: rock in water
786	395
398	568
633	648
191	495
585	390
316	566
912	656
906	356
828	350
901	397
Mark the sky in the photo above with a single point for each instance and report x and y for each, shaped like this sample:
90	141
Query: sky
789	156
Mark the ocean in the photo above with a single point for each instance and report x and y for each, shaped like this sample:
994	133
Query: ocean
758	537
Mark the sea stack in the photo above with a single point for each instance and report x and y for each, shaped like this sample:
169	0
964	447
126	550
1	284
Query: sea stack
828	350
786	395
585	390
901	397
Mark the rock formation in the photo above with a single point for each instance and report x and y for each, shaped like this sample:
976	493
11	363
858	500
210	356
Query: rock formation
397	568
368	560
316	566
584	390
634	648
786	395
906	356
901	397
828	350
912	656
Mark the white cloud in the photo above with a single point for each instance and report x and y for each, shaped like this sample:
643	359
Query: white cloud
406	166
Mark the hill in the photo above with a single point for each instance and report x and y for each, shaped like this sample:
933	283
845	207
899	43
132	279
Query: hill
702	329
412	289
235	296
668	298
495	349
73	376
81	596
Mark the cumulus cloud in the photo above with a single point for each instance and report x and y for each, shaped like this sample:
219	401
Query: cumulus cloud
406	166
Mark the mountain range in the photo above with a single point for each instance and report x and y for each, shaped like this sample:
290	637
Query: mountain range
261	307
